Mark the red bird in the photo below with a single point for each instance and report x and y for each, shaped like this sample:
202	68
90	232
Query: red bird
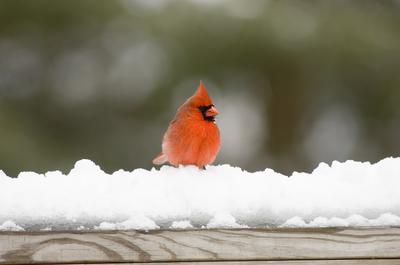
192	138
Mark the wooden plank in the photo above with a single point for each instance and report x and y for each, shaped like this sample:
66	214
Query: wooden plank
199	245
291	262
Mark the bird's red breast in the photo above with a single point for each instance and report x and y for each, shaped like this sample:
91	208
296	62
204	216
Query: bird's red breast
193	137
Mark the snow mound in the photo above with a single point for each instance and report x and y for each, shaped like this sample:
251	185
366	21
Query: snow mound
10	226
386	219
342	194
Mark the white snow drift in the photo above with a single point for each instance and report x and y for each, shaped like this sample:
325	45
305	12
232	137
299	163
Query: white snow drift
343	194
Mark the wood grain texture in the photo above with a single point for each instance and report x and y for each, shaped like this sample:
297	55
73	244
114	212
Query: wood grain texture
290	262
201	246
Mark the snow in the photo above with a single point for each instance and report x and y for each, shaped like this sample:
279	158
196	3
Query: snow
137	222
10	226
341	194
184	224
386	219
224	220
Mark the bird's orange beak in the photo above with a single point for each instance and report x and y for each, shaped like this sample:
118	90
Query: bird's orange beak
212	112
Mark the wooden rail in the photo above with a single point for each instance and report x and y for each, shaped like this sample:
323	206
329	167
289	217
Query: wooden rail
292	246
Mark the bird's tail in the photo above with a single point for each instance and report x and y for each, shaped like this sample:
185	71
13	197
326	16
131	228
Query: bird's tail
160	159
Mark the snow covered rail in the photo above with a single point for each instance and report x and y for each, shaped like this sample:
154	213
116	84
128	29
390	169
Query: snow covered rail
200	246
344	213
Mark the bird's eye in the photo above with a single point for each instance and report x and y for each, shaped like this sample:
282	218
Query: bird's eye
205	108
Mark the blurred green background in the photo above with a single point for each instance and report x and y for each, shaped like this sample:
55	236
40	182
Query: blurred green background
296	82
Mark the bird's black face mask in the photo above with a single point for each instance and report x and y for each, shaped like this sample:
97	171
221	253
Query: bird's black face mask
204	110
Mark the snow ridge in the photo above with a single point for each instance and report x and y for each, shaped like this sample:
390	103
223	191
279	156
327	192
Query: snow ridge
341	194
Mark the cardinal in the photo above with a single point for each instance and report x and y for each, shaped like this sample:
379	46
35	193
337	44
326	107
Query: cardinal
192	137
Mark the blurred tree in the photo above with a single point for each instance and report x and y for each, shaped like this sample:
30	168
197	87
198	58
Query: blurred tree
298	82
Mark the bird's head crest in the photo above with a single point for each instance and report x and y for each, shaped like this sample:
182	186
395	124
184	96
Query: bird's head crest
201	97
